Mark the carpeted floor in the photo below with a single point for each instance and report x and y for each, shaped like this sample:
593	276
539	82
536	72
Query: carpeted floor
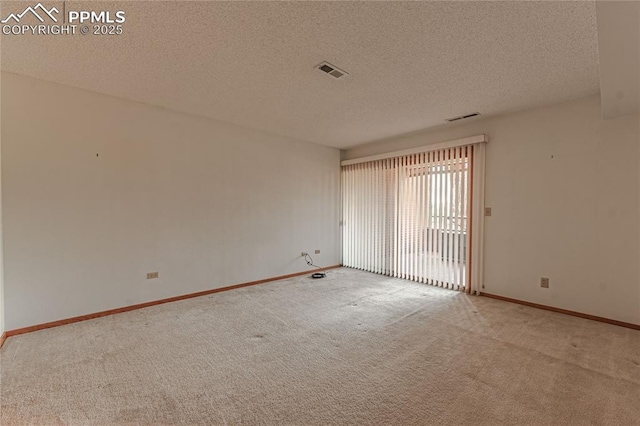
354	348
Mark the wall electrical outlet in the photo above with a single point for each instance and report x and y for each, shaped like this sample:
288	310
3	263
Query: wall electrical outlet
544	282
303	254
487	211
153	275
317	251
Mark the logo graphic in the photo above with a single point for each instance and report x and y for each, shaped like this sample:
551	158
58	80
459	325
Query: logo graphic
69	22
33	10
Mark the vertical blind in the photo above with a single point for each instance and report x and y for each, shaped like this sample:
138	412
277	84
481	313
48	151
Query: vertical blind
411	216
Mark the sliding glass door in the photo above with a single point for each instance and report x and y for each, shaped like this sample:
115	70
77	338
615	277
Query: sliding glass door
410	216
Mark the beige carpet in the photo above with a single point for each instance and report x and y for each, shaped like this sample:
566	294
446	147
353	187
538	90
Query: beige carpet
354	348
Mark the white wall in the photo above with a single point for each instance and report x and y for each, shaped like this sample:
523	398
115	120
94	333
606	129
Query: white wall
98	191
564	188
2	329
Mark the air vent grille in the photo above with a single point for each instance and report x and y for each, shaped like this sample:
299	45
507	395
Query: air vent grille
462	117
332	70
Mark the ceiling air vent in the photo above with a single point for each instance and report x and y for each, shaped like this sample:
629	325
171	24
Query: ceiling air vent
462	117
332	70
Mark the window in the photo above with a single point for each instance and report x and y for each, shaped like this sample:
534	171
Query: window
410	216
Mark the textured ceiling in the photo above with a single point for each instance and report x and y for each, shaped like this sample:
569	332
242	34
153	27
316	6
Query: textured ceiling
411	64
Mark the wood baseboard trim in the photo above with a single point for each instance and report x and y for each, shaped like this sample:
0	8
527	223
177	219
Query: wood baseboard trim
3	337
58	323
564	311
